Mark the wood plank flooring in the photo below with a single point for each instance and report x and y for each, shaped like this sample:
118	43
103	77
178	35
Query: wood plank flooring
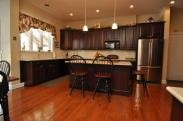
41	103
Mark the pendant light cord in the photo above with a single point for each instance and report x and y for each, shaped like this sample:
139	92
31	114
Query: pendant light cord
114	10
85	12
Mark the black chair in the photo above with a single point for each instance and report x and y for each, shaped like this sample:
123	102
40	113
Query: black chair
78	72
103	74
3	95
141	79
5	67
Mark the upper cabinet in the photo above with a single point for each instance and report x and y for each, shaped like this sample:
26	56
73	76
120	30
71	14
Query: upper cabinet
66	39
94	39
128	38
150	30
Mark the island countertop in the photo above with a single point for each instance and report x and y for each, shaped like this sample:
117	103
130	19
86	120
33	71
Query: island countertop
115	62
176	92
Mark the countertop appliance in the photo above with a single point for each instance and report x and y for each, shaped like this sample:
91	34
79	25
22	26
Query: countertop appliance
149	58
112	44
111	56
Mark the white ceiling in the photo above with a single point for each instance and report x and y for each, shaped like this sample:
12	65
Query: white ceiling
61	8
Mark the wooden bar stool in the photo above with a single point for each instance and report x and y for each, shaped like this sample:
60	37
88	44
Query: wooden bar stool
104	75
141	74
79	74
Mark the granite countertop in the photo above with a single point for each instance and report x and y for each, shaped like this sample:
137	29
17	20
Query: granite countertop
43	59
177	92
123	63
90	59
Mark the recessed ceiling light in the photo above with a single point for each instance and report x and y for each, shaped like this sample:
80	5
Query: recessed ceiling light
172	2
131	6
47	5
71	14
97	11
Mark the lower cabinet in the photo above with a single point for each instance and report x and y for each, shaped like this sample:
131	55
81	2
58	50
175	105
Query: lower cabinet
39	71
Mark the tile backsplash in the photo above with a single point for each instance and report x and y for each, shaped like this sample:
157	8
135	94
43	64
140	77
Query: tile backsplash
90	54
87	54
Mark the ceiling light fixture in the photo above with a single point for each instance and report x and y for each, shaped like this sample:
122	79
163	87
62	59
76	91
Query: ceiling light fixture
172	2
97	11
71	14
85	27
131	6
114	25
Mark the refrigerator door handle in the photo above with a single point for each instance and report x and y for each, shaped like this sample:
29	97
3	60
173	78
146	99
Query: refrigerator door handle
149	55
151	52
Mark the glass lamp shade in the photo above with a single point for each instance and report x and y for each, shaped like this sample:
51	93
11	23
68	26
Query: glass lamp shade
85	28
114	25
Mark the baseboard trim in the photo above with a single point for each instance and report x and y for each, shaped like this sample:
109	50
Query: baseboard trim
15	86
163	81
175	81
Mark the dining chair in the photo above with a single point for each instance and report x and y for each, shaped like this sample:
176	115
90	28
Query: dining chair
78	73
5	67
3	95
104	74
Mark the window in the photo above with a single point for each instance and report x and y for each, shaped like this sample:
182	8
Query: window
36	40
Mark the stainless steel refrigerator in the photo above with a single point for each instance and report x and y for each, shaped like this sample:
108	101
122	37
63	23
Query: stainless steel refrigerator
149	58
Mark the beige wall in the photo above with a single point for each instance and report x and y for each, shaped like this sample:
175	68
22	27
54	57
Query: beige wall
107	22
5	29
175	63
15	44
176	20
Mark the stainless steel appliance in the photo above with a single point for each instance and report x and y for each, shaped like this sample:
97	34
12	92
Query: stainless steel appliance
149	58
112	44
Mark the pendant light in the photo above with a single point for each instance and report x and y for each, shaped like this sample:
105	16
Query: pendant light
85	27
114	25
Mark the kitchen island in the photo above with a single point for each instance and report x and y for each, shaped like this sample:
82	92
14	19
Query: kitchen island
120	80
177	104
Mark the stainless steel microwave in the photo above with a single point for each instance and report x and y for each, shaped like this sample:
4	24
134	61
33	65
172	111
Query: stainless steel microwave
112	45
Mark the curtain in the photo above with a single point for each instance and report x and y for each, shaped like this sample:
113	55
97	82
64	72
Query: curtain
26	22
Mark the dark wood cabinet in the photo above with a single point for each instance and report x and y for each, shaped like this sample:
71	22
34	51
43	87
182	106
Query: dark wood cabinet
151	30
94	39
66	39
128	38
38	71
77	40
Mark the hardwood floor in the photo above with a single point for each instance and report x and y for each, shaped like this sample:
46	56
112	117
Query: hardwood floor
41	103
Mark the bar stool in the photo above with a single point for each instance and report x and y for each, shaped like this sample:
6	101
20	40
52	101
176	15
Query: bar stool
141	74
78	73
105	74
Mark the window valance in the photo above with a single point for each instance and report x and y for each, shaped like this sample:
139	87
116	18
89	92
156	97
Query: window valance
26	22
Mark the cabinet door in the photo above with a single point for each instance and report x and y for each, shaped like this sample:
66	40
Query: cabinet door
51	68
66	39
144	30
106	34
90	40
85	41
151	30
77	37
114	34
130	39
97	39
157	30
122	37
39	72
